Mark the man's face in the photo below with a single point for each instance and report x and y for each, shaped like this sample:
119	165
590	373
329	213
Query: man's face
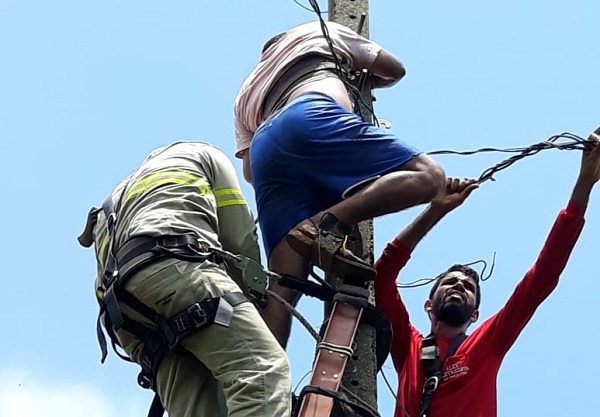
454	299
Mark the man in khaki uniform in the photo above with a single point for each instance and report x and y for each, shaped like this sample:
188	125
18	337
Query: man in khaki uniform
190	189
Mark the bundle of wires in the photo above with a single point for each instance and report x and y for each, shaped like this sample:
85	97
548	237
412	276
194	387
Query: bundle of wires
343	72
563	141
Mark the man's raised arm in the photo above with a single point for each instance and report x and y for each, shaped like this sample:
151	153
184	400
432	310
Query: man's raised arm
455	194
543	276
397	253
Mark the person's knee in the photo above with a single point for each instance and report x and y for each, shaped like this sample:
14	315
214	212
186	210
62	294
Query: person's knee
437	177
433	177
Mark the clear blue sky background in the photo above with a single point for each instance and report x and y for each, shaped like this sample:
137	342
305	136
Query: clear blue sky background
87	89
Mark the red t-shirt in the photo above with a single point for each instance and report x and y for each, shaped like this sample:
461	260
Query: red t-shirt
474	366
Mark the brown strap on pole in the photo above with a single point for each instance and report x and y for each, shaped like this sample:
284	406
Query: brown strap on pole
332	356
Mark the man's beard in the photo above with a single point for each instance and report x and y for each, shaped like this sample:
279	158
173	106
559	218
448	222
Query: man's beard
451	313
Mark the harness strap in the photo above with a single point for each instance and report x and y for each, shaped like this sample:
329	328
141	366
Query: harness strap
218	310
370	314
86	238
101	338
298	71
156	408
110	268
335	396
329	365
430	362
135	255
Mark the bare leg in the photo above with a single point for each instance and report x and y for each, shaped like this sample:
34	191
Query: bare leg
417	182
283	259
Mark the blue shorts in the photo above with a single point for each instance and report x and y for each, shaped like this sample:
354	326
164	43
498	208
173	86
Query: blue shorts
308	155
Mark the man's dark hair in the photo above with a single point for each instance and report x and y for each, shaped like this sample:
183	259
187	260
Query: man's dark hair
468	271
271	41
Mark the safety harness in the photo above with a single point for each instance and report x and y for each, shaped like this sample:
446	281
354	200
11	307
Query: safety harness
432	369
300	70
142	251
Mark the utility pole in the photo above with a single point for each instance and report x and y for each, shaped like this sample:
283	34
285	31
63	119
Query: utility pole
360	375
344	377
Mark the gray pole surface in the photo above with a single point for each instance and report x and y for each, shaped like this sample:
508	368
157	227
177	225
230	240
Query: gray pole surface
360	376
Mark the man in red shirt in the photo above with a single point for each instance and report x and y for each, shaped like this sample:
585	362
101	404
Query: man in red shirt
453	305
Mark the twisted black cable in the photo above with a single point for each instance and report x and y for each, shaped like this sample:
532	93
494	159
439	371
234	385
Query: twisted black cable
306	8
341	71
571	142
424	281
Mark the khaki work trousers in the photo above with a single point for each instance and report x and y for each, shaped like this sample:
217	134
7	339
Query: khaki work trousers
242	362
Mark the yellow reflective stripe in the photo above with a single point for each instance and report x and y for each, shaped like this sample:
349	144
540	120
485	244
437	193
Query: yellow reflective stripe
159	174
231	203
103	247
148	186
229	197
226	191
168	177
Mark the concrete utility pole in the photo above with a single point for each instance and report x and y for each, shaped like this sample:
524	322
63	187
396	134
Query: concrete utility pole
360	375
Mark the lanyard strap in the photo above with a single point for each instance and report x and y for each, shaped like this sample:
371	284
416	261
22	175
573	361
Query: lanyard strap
430	362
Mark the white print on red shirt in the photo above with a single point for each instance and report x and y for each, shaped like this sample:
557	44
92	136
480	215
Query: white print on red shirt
456	368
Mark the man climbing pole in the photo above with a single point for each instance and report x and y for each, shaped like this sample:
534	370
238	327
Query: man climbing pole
169	300
449	373
316	167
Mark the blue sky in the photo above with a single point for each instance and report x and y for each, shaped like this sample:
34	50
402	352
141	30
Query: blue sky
87	89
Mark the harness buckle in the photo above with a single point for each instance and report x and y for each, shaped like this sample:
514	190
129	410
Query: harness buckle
431	384
197	315
109	278
429	353
144	380
194	315
170	242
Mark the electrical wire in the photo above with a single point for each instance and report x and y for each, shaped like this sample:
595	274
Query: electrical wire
343	73
339	69
389	386
424	281
301	380
319	279
562	141
307	8
482	261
